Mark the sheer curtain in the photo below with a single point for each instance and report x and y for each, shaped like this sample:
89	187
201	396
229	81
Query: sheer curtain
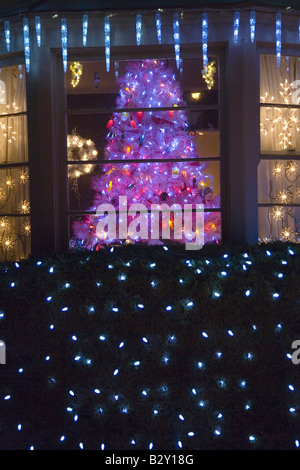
14	176
278	178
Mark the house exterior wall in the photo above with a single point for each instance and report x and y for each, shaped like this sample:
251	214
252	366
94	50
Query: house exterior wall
239	116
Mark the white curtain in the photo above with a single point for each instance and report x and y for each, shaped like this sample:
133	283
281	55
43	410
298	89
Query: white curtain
14	180
280	135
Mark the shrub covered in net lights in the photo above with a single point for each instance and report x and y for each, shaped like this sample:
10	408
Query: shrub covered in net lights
151	348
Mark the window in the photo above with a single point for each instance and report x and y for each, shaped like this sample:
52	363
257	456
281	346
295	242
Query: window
14	174
278	172
148	132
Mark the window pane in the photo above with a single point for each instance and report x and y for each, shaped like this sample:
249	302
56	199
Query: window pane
14	237
13	139
12	90
278	182
279	125
145	182
97	88
14	191
279	223
132	129
87	234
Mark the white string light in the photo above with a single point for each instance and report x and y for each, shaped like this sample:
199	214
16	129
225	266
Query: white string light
158	26
26	43
252	25
38	29
236	25
7	34
85	24
176	36
107	41
278	38
64	42
138	27
204	39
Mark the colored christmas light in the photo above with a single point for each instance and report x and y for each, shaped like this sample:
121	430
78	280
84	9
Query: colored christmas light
236	25
38	30
64	43
252	26
204	39
26	43
7	34
176	37
107	41
278	38
85	23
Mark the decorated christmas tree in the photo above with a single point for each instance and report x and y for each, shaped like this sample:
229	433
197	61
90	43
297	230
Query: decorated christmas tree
155	155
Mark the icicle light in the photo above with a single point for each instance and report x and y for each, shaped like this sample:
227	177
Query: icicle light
64	42
138	27
7	34
85	24
38	30
204	39
158	26
107	41
252	26
176	36
236	25
278	38
26	43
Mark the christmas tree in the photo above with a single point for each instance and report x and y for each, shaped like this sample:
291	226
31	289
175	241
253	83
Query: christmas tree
157	151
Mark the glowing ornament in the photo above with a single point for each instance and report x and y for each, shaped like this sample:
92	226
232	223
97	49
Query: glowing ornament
109	186
110	123
175	172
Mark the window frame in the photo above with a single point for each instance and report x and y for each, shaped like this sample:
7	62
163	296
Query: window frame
293	51
122	53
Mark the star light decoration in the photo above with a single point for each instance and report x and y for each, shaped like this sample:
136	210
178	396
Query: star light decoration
287	173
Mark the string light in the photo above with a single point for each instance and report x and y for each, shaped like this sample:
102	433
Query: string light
278	38
85	23
76	71
158	26
236	25
38	30
107	41
176	36
7	34
138	27
64	43
252	26
204	39
26	43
